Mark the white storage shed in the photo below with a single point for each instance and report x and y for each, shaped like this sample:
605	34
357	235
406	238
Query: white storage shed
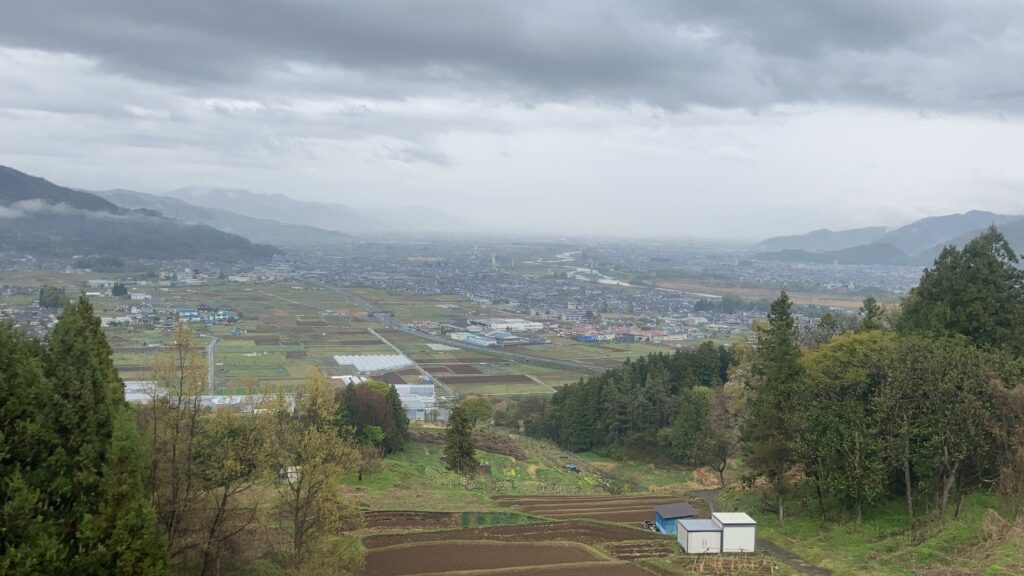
699	536
739	531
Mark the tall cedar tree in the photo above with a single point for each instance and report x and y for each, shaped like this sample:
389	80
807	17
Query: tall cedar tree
71	458
373	405
977	292
768	432
459	451
400	419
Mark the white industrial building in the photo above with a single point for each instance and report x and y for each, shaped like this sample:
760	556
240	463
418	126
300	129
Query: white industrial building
418	400
510	324
374	362
724	532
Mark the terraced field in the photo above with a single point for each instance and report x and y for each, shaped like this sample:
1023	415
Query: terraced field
628	509
556	549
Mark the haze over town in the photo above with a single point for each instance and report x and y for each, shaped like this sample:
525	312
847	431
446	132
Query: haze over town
597	118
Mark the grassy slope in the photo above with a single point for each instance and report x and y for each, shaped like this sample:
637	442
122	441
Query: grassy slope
883	544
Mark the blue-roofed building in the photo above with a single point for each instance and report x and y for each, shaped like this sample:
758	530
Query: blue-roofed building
666	515
187	314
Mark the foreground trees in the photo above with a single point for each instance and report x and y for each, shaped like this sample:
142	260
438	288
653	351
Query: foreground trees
921	404
977	292
772	419
220	478
312	456
459	451
71	478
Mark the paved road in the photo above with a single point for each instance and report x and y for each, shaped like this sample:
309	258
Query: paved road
414	363
211	375
710	497
378	313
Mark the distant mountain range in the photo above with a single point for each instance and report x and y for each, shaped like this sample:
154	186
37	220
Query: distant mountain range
41	218
218	224
255	229
917	243
338	217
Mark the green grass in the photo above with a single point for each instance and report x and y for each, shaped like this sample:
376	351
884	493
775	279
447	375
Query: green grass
484	519
499	389
882	544
643	476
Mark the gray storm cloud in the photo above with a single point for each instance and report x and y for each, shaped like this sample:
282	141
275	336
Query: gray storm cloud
749	53
741	118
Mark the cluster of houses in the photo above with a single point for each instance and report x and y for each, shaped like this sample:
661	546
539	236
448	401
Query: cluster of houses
487	332
206	314
724	532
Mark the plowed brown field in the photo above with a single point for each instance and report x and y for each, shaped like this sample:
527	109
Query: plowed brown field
425	558
629	509
582	532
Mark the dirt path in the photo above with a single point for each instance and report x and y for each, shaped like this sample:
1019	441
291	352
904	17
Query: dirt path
795	562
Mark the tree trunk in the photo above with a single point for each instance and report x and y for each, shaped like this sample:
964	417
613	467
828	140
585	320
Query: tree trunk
907	483
821	499
947	485
959	505
782	514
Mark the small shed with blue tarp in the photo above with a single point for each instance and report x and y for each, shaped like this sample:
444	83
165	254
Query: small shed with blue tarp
666	515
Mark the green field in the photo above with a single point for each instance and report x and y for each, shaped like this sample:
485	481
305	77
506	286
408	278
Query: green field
287	330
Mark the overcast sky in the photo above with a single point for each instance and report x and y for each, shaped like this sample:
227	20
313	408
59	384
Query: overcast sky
696	119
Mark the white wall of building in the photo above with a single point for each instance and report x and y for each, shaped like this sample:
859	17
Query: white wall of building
699	542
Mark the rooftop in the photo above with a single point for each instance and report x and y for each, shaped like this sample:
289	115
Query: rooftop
733	518
675	510
699	525
374	362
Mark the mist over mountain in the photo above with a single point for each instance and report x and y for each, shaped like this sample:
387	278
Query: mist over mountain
278	207
923	234
824	239
326	216
917	243
43	219
255	229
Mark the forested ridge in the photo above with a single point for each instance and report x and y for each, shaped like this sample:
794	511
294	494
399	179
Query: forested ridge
922	402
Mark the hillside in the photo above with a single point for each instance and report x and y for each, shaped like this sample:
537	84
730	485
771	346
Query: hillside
255	229
824	239
323	215
917	243
922	235
17	187
43	219
876	253
279	208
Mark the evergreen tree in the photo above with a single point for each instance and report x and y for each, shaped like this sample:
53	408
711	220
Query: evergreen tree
977	292
459	451
871	314
768	433
401	421
71	494
121	537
